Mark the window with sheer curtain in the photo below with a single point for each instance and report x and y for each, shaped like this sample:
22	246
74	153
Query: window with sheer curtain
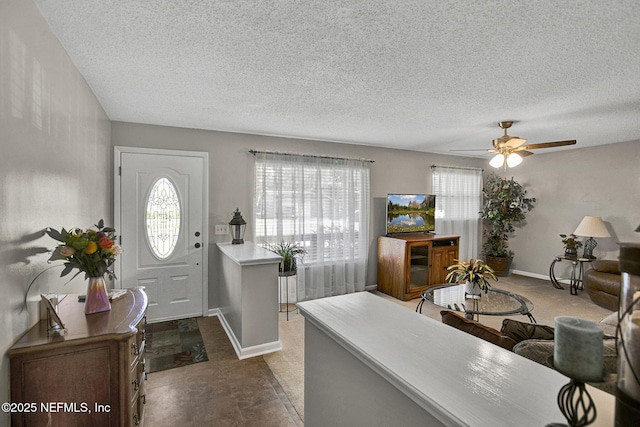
458	202
322	204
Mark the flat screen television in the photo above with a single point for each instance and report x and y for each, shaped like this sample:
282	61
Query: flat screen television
411	213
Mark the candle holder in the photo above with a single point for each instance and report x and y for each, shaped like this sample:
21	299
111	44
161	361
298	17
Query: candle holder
575	403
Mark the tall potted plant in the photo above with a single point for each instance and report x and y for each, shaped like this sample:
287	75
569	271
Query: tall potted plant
505	205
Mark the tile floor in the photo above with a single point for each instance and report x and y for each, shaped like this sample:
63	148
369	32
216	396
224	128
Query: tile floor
223	391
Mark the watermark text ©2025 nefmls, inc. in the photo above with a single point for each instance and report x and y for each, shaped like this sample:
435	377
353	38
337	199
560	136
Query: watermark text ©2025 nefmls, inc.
53	407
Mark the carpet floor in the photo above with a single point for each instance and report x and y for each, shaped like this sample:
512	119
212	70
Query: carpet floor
287	365
173	343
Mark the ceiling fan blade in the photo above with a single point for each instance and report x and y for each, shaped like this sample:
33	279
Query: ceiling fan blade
524	153
473	149
548	144
514	142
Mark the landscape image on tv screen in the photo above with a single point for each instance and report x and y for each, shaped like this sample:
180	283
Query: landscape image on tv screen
410	213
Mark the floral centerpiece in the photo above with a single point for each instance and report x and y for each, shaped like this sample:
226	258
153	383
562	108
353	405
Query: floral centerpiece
92	252
571	244
475	272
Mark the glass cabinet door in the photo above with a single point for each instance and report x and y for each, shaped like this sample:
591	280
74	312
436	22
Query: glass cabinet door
419	267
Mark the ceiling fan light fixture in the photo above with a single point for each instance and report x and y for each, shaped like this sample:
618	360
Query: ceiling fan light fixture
497	161
513	160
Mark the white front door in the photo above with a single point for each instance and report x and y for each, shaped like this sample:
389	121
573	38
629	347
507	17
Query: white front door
161	197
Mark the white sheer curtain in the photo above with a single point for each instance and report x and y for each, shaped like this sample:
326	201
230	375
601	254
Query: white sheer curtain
322	204
458	202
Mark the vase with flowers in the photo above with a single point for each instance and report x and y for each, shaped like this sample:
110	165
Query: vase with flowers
92	252
476	273
571	244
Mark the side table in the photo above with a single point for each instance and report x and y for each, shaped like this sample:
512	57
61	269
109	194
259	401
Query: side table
285	306
575	283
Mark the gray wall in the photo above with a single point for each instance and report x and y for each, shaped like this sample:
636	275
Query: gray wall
600	181
55	166
231	173
55	170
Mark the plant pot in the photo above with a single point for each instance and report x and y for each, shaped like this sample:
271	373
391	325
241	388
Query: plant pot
500	265
287	267
472	289
571	252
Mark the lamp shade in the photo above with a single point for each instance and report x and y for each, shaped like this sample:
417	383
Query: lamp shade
592	226
497	161
513	160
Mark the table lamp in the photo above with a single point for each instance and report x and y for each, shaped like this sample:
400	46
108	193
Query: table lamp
591	226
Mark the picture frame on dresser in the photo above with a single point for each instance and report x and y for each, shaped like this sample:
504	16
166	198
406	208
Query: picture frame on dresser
54	323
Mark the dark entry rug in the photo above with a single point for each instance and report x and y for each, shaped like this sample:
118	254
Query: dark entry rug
174	343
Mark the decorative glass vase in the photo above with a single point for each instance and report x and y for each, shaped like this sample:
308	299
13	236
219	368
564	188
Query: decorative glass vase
97	299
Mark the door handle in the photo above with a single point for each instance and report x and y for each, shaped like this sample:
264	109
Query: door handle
197	245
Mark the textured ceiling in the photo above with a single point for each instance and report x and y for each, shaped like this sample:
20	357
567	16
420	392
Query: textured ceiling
422	75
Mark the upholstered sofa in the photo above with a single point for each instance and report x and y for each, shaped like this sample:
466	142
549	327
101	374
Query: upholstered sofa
602	283
535	342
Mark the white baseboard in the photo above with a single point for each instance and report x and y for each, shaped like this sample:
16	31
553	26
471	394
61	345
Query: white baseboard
539	276
245	352
214	312
370	288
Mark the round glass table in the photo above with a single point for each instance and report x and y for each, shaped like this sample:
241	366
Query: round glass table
495	302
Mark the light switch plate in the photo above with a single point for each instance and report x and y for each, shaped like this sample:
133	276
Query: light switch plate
221	229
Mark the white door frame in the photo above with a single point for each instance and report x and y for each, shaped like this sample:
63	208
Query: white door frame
118	150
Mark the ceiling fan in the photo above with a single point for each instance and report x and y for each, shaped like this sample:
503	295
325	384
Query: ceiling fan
509	150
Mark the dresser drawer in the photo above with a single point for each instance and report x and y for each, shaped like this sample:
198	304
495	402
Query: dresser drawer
137	408
137	378
138	344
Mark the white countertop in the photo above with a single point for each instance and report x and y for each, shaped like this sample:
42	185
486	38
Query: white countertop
249	253
460	379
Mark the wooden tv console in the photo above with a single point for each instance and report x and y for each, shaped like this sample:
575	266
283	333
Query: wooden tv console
410	263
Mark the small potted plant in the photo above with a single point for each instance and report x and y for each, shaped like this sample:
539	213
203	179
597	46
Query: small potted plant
289	252
571	244
475	273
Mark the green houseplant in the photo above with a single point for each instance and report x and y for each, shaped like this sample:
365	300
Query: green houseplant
505	205
289	251
475	272
571	244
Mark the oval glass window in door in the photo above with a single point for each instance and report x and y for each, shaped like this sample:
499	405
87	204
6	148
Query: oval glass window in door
163	218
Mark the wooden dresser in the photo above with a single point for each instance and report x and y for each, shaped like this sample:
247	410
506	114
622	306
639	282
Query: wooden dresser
91	376
410	263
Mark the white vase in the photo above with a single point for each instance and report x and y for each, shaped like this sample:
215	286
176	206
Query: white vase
472	289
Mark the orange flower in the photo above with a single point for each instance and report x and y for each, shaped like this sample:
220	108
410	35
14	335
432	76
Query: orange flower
105	242
91	248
